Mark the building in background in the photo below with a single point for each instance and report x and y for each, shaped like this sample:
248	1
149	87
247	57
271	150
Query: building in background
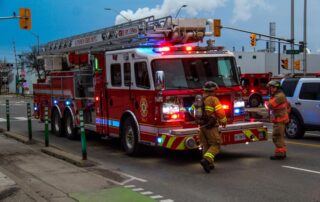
263	62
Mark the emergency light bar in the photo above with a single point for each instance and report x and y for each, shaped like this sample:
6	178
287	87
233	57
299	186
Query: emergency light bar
189	49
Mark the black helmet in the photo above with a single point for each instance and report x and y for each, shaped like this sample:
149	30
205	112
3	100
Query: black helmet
210	86
274	83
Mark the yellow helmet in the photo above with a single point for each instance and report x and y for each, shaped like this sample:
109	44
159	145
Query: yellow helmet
210	86
274	83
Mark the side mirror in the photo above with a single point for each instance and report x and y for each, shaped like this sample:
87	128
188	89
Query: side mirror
239	70
159	80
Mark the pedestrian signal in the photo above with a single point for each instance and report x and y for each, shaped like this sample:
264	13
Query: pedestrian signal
216	27
25	18
285	63
253	38
297	65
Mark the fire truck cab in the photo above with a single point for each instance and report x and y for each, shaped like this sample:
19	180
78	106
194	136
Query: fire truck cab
254	88
141	88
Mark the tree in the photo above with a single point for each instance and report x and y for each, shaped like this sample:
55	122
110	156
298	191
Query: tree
33	62
5	74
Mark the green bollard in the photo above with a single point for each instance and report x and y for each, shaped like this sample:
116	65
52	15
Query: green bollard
83	136
29	121
46	126
8	115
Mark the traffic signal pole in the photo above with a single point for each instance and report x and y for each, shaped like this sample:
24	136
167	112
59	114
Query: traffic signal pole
25	18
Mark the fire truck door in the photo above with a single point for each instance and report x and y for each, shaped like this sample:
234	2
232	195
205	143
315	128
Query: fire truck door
100	104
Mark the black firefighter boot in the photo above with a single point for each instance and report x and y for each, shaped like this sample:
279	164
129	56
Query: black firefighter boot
205	165
277	157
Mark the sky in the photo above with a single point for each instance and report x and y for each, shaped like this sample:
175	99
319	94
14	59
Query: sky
56	19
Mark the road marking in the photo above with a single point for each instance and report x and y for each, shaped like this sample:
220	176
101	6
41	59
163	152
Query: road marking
302	169
2	120
156	197
313	134
129	186
137	189
147	193
304	144
167	200
21	118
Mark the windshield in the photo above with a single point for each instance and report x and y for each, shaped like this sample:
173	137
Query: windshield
190	73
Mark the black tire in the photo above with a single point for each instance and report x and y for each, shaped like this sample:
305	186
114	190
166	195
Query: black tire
129	138
56	124
70	130
294	129
255	101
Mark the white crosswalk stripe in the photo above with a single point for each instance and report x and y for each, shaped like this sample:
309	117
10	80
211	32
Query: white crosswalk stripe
156	197
21	118
16	119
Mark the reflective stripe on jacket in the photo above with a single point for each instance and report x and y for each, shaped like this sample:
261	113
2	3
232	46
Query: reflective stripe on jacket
214	107
278	105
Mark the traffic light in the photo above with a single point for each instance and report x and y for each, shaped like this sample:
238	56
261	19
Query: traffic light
297	65
216	27
253	38
285	63
301	46
25	18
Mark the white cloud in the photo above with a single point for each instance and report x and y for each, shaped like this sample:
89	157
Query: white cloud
242	10
171	7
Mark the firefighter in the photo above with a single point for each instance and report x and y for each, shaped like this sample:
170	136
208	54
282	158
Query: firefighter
212	115
279	115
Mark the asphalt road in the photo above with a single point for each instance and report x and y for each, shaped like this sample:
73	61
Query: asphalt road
243	172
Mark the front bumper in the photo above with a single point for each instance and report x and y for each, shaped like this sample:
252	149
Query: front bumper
185	139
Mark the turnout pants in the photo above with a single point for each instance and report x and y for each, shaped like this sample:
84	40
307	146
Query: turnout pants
211	142
278	139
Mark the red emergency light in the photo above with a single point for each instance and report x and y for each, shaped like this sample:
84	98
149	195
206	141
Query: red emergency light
225	107
188	48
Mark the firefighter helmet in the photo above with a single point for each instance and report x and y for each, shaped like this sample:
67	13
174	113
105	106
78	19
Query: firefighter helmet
274	84
210	86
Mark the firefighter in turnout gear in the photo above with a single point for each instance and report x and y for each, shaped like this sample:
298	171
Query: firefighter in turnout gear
279	114
209	115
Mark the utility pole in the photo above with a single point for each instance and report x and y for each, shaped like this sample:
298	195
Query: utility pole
292	35
16	63
305	38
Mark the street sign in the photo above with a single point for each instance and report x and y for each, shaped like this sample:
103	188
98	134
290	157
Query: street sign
292	51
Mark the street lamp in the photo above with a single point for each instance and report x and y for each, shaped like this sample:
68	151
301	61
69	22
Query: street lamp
183	6
38	44
117	12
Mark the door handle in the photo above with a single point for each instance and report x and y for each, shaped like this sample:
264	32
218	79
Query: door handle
110	102
297	103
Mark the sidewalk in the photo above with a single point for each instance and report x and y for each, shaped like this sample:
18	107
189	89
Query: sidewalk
27	174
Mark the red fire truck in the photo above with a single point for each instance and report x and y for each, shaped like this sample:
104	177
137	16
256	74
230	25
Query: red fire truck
254	88
137	81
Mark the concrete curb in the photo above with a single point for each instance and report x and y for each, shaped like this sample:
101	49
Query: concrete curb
74	159
18	137
52	150
8	191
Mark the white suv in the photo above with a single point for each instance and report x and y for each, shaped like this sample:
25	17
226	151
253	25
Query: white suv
304	97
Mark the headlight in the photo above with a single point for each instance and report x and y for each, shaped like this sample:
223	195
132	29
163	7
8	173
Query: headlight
172	112
238	104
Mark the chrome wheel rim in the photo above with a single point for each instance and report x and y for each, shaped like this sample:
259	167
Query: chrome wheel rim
69	126
129	138
56	123
292	128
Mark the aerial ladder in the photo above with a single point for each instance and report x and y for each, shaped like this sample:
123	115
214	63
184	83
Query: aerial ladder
147	31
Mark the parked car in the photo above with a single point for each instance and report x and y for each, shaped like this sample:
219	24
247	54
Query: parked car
304	97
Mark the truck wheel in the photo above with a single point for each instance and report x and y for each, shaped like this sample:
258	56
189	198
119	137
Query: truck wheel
70	130
294	128
56	124
254	101
129	138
